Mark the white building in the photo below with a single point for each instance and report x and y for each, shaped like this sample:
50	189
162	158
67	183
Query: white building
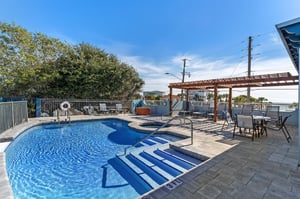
199	95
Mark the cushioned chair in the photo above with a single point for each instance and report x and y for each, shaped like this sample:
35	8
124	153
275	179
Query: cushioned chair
245	122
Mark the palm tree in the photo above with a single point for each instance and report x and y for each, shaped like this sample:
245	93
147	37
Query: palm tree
210	96
226	96
261	100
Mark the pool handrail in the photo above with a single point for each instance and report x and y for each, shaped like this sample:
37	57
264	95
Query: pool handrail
162	126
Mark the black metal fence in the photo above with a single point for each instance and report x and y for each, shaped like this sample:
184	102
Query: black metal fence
50	105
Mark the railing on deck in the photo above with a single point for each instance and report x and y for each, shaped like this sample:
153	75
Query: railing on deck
12	113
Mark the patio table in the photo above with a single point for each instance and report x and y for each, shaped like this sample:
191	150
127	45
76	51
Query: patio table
260	121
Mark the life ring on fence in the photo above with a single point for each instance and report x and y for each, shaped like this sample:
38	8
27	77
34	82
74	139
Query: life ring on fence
65	106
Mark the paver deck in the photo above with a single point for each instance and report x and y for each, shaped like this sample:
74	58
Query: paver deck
236	168
263	168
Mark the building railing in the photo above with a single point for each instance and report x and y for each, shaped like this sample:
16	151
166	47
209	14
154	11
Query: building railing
12	114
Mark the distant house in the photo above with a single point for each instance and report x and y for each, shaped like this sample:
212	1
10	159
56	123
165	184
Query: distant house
199	95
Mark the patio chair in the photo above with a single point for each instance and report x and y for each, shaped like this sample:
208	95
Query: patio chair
102	108
247	109
245	122
273	113
119	108
280	127
228	120
88	110
222	107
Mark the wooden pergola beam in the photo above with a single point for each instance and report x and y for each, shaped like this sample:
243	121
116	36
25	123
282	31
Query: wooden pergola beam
277	79
266	80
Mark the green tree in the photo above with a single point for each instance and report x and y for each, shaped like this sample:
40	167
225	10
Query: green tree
293	105
210	96
197	97
24	61
34	65
243	99
240	99
225	97
262	100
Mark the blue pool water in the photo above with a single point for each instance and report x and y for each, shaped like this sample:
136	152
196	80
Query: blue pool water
71	161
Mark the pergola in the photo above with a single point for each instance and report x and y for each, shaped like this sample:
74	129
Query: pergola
267	80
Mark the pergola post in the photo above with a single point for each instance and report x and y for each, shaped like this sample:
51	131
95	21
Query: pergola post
187	100
230	101
215	103
170	101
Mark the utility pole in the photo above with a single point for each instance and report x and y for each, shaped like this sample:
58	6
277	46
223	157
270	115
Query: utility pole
183	74
249	65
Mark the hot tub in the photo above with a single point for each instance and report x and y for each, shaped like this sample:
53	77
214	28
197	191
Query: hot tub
143	111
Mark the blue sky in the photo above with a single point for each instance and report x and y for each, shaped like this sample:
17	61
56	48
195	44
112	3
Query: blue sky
155	35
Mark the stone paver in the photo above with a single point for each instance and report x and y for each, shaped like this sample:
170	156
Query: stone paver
235	168
263	168
5	190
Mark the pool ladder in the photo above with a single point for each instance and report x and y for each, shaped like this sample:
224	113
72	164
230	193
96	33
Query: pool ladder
68	119
162	126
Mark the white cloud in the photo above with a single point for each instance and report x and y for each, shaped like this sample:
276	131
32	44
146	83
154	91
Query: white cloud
200	68
142	67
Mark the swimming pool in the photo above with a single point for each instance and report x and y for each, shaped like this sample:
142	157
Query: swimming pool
71	161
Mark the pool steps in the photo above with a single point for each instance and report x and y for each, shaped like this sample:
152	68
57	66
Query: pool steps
175	166
174	159
156	176
139	172
156	163
155	140
152	166
184	157
127	173
165	167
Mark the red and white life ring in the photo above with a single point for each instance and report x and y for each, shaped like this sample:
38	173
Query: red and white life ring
65	106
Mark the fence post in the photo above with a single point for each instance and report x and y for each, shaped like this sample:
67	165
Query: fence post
38	107
12	114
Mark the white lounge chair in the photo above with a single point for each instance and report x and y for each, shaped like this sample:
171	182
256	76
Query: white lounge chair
119	108
102	108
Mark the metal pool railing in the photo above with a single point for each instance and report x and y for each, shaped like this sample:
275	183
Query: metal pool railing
12	113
